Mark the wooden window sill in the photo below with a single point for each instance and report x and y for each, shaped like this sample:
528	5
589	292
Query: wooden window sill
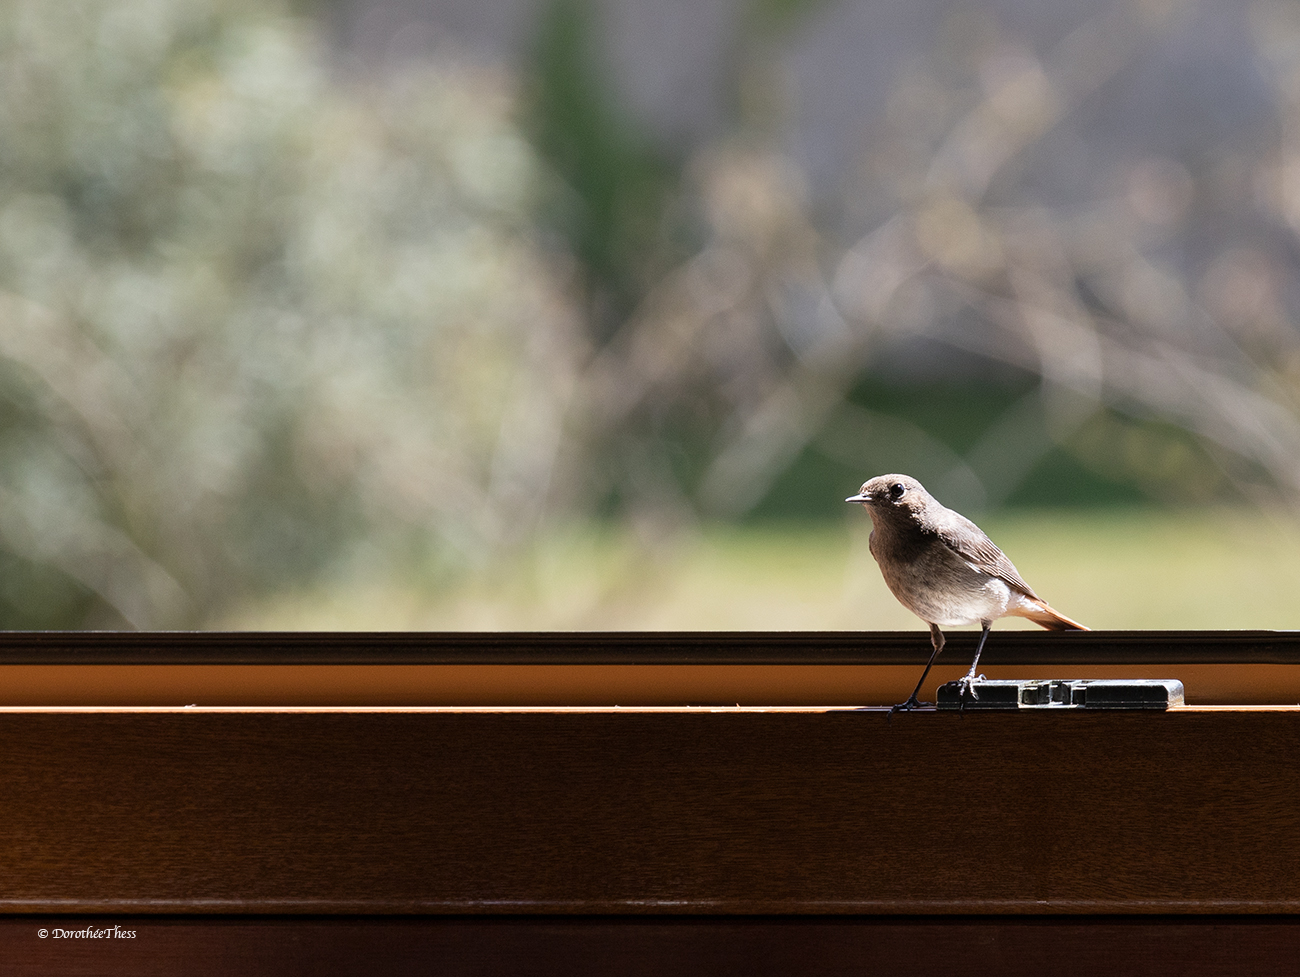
698	811
593	669
344	789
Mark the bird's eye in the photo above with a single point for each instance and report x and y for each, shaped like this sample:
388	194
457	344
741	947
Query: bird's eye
896	491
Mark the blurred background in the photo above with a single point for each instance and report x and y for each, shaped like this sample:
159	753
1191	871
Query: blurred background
460	314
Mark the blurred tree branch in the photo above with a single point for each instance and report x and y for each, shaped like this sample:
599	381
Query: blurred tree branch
1082	294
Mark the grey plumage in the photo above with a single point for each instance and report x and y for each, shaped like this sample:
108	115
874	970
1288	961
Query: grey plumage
944	569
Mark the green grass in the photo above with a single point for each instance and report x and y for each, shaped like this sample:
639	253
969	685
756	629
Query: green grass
1107	569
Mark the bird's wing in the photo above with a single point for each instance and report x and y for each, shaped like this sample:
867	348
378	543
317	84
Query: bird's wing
969	542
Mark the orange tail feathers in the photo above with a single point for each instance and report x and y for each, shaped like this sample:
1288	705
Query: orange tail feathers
1045	617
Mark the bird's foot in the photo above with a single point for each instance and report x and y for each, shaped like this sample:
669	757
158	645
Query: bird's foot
908	706
966	685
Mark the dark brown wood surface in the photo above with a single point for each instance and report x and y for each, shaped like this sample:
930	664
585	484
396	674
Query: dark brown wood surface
585	840
700	811
579	946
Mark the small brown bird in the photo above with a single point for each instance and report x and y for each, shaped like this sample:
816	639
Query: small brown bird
943	569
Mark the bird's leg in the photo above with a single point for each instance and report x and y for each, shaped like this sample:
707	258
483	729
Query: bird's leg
936	639
967	684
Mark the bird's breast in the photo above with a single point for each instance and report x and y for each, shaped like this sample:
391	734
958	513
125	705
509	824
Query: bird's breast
938	586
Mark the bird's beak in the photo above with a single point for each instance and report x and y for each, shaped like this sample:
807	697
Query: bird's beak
858	498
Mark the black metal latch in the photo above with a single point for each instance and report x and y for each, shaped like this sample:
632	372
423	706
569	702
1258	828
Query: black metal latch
1084	693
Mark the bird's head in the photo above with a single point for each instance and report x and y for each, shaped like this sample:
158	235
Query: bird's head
899	495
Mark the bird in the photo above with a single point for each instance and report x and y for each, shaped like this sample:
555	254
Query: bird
945	570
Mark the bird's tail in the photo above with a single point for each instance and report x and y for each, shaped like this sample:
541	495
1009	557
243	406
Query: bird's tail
1046	617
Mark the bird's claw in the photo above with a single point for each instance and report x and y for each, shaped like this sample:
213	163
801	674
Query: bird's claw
966	685
908	706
